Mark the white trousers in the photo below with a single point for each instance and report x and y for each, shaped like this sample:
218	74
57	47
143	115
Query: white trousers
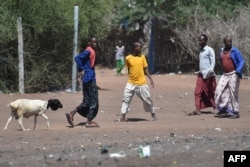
142	92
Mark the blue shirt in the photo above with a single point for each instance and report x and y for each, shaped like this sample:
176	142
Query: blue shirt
83	63
207	62
237	58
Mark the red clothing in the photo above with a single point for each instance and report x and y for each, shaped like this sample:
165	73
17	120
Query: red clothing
91	56
204	92
227	62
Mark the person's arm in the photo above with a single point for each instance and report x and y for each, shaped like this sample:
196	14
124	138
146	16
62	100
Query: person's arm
79	58
149	77
212	59
240	63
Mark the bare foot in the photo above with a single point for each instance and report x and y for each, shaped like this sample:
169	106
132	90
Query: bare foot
69	119
92	125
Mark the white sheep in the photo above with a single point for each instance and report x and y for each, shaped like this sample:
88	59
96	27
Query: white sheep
26	108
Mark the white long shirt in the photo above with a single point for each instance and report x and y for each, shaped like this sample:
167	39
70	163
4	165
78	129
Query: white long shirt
119	52
207	62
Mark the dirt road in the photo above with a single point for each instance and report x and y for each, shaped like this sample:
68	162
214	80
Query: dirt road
174	139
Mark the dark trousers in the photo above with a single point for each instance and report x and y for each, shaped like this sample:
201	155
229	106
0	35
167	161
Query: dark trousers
90	104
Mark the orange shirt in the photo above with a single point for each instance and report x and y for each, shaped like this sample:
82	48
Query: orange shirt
91	56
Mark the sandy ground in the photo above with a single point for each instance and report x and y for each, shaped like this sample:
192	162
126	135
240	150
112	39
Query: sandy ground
174	139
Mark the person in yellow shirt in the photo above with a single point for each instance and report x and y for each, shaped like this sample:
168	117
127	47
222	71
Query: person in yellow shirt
137	84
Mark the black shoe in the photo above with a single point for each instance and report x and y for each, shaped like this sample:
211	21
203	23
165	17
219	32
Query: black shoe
224	115
221	114
235	116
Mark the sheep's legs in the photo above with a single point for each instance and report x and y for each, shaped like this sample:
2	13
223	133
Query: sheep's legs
20	122
8	121
45	117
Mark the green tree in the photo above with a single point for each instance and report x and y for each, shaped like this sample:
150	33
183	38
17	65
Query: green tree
48	39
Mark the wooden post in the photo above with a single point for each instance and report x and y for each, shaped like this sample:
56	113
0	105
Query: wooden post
20	55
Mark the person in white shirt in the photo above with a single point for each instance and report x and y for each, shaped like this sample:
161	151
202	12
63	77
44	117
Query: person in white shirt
206	81
119	57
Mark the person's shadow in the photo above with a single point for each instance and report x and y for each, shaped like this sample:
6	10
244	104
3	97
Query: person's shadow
79	124
207	112
135	119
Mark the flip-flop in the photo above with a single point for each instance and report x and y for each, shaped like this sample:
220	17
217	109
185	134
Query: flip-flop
193	113
69	119
153	117
92	125
120	120
223	115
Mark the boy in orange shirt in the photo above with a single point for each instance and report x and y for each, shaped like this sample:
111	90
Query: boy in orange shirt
137	69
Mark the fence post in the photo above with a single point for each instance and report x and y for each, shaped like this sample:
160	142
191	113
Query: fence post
20	55
74	71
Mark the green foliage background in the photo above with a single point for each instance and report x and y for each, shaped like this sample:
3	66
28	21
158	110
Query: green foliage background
48	29
48	39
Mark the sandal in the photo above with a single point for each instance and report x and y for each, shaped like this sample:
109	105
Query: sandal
194	113
69	119
153	117
92	125
121	120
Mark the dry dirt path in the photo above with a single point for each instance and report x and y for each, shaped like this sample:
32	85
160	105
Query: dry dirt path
174	139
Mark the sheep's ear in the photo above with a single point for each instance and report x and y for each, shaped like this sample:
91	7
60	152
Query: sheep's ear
54	104
48	105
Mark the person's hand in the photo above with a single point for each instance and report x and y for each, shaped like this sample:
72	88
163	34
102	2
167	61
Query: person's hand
238	74
152	83
197	73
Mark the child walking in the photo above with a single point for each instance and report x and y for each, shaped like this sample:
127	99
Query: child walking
137	84
119	57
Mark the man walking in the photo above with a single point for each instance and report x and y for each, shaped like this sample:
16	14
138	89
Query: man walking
227	94
206	81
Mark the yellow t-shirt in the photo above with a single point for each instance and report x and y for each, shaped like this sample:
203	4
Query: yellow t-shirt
136	65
